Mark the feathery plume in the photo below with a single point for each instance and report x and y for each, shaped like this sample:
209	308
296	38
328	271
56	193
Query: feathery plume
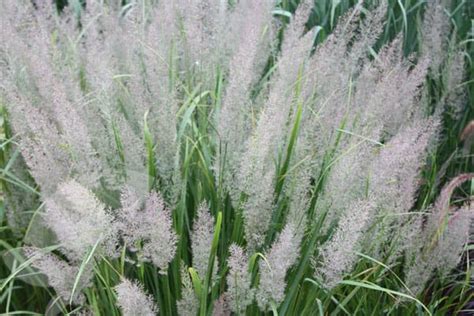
41	144
369	31
346	183
233	119
221	307
239	295
256	178
132	300
388	107
332	77
441	207
294	34
188	305
199	21
201	241
151	225
338	254
456	94
61	275
134	161
205	23
79	220
435	34
395	172
451	245
280	258
441	239
153	83
424	257
51	91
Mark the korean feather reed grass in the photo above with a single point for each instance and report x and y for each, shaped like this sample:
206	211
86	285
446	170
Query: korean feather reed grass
205	157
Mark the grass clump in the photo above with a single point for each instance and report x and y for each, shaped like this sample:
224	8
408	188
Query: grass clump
213	157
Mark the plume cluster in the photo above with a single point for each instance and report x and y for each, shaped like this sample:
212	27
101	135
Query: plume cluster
79	220
239	293
189	303
279	259
132	300
136	124
201	241
441	243
147	228
61	275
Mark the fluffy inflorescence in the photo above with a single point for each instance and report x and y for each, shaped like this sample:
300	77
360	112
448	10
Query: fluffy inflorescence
441	243
257	172
132	300
80	221
233	121
239	293
147	228
61	275
338	255
188	305
111	105
282	256
201	241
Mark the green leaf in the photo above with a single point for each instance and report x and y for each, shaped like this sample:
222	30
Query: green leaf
210	266
197	284
375	287
83	266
